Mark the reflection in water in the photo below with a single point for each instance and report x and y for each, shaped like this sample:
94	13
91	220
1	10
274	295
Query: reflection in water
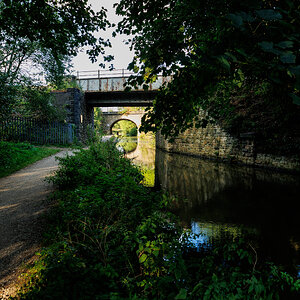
142	152
213	195
142	149
128	144
206	233
221	201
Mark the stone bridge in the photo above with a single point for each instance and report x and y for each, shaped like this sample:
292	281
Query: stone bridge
111	118
213	142
107	89
103	89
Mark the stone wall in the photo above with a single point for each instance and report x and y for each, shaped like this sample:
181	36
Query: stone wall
72	100
213	142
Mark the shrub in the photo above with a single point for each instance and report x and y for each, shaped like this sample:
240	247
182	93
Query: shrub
113	238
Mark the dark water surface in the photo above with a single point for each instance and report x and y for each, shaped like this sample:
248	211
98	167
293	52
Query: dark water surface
218	200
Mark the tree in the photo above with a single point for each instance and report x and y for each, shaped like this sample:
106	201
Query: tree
61	26
44	35
218	52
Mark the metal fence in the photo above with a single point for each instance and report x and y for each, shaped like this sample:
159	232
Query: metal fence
103	73
36	131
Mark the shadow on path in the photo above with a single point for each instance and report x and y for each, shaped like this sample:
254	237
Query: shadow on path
23	201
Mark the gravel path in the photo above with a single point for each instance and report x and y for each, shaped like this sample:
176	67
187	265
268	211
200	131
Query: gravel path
22	205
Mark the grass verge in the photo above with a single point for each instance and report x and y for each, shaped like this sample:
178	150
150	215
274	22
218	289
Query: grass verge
15	156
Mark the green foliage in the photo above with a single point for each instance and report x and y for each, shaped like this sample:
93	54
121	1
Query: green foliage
15	156
38	102
204	44
98	119
228	275
28	100
60	26
7	97
112	238
133	131
125	128
128	144
66	82
38	40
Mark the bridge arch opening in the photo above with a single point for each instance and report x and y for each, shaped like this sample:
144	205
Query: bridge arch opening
124	128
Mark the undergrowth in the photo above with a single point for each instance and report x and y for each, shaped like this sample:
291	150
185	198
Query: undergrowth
15	156
110	237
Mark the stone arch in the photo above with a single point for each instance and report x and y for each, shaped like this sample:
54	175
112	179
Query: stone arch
109	119
122	119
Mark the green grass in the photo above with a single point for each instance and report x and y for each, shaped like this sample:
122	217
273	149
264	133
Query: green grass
15	156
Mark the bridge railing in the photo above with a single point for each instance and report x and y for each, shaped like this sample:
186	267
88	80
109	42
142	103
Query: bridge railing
103	74
115	80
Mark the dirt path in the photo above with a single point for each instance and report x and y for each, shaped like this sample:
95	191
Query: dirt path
22	204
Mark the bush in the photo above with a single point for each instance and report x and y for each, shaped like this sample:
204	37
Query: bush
113	238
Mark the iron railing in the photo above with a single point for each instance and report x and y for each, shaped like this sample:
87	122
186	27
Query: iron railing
36	131
103	73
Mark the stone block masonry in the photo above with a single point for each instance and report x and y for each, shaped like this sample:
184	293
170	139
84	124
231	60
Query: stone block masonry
77	112
212	142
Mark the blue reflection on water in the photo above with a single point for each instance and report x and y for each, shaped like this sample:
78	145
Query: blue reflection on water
204	234
199	236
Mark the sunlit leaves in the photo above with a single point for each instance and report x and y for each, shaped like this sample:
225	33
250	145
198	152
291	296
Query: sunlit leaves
143	258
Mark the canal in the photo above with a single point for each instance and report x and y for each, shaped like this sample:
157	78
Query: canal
221	201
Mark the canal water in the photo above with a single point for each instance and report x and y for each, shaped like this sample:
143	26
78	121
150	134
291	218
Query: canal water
218	200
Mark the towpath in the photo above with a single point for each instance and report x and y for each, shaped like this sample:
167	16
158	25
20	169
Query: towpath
23	201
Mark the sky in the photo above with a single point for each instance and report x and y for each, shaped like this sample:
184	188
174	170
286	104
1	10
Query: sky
121	52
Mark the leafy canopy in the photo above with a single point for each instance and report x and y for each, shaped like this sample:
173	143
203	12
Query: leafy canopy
42	36
58	25
206	44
